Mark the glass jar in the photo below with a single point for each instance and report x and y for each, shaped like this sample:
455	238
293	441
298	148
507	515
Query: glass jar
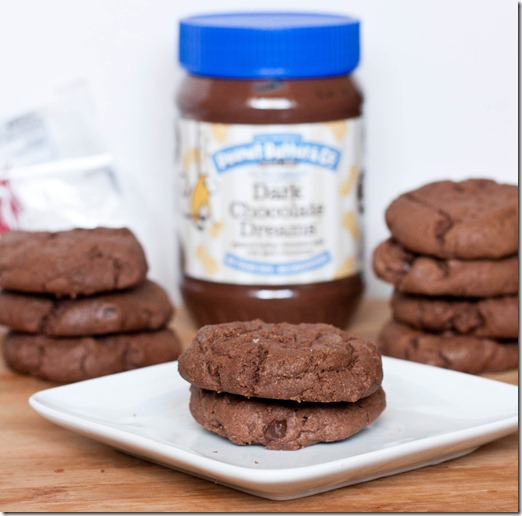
269	168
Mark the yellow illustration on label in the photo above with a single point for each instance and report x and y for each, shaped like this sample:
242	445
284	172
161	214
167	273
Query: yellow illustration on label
347	185
219	132
347	268
338	128
200	205
216	228
349	222
191	157
210	265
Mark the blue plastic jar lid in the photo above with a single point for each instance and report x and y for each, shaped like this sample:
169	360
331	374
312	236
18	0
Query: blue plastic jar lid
269	45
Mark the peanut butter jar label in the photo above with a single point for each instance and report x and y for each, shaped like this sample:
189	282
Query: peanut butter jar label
269	204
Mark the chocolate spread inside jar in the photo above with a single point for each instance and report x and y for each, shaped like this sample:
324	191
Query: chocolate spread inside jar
269	168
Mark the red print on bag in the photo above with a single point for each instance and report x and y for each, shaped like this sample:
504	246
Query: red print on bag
10	207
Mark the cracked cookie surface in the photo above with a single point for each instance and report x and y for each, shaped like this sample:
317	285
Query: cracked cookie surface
282	425
146	307
495	317
304	362
430	276
71	263
463	353
472	219
67	360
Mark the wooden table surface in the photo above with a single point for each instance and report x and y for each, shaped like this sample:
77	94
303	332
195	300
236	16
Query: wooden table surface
46	468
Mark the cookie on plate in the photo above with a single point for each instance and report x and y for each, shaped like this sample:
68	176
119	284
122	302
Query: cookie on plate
145	307
468	220
71	263
494	317
305	362
282	425
417	274
66	360
468	354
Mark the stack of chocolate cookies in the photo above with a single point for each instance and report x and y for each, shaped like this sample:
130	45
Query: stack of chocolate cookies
280	385
453	259
79	305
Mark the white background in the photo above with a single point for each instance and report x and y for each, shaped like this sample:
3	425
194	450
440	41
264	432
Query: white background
439	77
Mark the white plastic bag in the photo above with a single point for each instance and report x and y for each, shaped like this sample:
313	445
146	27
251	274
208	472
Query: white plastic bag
54	172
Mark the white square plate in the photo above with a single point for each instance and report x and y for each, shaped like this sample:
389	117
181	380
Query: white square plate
432	415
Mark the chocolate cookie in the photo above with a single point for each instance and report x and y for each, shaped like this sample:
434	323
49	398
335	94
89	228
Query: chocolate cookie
495	317
434	277
469	220
146	307
458	352
71	263
305	362
280	425
73	359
